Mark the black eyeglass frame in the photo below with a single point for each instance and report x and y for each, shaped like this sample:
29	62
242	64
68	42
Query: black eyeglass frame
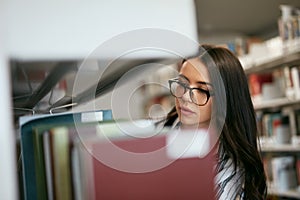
207	92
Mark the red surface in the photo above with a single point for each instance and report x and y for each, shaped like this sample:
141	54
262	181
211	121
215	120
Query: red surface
189	178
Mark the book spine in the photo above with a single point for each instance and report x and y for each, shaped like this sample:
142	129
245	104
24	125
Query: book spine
40	166
61	160
284	173
296	81
48	165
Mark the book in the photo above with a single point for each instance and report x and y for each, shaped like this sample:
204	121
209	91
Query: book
289	87
62	164
82	178
59	139
296	81
44	155
27	127
256	82
144	168
42	192
63	178
269	122
48	165
284	173
297	121
77	173
298	169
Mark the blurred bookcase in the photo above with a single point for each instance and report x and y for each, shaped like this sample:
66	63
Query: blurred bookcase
274	86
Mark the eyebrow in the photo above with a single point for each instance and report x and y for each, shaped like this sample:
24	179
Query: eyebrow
198	82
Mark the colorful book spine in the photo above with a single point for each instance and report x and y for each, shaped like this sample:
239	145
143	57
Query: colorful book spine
30	166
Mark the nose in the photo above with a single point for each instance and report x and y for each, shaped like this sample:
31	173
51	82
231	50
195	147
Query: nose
186	96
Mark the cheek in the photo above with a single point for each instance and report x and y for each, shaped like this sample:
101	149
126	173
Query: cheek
177	107
205	112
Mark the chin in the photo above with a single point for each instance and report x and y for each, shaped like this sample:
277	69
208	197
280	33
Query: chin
189	120
189	123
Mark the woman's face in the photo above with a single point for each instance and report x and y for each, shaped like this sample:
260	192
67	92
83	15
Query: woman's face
194	74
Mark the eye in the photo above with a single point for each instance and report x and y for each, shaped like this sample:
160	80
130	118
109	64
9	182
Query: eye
200	91
203	86
183	82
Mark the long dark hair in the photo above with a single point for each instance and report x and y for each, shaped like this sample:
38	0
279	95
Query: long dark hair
238	138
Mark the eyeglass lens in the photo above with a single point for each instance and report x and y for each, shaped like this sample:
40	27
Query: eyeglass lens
197	96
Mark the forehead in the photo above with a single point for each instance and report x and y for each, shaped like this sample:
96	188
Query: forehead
195	70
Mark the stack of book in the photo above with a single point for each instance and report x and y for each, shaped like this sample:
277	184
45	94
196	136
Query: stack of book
90	155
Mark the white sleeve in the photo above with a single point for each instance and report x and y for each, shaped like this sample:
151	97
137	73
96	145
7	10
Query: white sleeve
229	182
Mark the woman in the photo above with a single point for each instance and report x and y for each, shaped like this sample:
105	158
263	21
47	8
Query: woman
212	92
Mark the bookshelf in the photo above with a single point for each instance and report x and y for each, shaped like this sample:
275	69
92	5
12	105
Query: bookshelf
280	148
268	108
276	103
289	57
288	194
64	35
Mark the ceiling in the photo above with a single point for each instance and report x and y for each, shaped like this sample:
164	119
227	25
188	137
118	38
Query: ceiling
248	18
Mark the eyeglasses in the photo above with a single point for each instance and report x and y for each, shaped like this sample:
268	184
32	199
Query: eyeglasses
198	96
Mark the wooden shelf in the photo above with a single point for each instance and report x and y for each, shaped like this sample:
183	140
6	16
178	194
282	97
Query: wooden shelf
290	58
268	144
295	193
280	148
276	103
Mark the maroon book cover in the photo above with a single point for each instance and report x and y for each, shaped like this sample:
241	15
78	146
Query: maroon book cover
143	168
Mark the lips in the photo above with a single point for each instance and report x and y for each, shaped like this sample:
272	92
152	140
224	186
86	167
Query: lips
186	111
